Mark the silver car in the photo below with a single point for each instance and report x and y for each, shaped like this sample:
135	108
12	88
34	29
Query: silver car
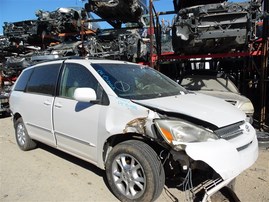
221	87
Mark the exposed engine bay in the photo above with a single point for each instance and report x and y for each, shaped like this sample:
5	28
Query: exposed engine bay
219	27
213	28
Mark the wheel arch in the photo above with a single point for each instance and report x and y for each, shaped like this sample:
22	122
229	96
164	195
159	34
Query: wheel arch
116	139
16	116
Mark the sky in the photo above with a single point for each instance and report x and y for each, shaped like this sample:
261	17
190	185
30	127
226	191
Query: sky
20	10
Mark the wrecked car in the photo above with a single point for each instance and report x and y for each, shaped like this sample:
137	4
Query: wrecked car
69	48
110	44
116	44
117	12
214	28
138	125
20	30
218	85
64	20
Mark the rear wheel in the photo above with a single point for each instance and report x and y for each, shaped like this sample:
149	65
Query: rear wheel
23	140
134	172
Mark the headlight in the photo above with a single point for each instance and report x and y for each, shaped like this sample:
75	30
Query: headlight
247	107
183	131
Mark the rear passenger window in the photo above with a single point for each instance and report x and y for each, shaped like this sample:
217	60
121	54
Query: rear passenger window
22	81
44	79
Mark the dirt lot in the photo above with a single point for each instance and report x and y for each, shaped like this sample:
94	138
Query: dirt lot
45	174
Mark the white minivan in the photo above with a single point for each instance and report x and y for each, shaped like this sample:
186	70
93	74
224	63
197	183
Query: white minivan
138	125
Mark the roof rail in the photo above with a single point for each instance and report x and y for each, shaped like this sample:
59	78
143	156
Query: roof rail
53	57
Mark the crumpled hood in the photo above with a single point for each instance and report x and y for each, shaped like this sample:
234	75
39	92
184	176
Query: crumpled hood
207	108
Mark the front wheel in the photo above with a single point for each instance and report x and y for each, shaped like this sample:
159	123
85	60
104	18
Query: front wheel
134	172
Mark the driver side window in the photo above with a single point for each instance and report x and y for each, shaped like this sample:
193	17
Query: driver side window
76	76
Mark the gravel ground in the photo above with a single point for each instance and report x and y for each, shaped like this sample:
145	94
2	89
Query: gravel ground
45	174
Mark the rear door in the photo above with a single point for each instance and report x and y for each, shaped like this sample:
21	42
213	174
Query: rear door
38	101
76	123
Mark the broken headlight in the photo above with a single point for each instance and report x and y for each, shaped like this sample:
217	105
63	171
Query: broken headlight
181	131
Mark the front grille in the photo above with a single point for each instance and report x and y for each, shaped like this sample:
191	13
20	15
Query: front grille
230	131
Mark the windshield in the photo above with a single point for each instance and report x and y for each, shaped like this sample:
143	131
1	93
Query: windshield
136	82
208	83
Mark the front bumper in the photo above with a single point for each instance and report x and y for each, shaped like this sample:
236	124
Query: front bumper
227	157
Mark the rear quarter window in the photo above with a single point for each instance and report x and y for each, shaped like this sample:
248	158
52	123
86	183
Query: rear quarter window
23	79
44	79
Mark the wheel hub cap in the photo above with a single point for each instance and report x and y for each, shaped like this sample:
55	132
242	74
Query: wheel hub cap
129	176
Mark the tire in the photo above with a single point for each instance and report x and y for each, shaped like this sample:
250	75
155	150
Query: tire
24	142
134	172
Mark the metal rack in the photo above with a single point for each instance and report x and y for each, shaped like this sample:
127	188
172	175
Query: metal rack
255	62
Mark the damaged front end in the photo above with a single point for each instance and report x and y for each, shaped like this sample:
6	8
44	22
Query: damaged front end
218	27
199	158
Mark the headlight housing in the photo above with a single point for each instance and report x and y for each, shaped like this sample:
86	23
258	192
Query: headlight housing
247	108
181	131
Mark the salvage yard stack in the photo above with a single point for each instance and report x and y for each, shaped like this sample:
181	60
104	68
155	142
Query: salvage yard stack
218	35
230	38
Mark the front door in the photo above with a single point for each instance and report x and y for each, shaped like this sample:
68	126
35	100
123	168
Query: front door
76	123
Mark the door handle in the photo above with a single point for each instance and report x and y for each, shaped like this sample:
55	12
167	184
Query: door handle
47	103
58	105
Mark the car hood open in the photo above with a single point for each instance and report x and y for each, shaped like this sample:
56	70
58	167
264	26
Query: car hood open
198	106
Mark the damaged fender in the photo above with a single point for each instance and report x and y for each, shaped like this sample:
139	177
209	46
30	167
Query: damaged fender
133	119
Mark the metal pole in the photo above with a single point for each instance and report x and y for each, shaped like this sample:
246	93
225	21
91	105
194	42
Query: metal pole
151	28
264	67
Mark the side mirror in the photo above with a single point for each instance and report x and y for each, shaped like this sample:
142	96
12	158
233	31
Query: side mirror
85	95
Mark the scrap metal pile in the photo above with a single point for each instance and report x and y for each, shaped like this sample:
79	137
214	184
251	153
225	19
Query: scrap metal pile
199	27
71	32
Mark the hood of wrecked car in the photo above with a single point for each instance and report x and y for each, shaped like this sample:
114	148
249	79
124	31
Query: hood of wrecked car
198	106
